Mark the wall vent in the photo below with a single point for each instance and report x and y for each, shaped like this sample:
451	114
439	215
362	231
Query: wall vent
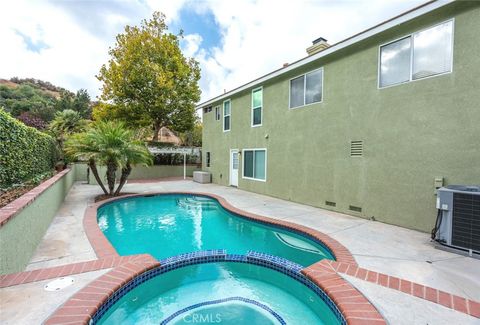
356	148
354	208
330	203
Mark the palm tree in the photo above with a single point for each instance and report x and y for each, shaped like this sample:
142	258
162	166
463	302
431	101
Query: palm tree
110	144
66	123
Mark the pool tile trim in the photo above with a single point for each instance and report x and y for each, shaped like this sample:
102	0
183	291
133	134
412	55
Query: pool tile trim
126	268
279	264
344	263
221	301
103	247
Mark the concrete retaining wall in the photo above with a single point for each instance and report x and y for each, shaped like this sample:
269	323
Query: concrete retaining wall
23	222
140	172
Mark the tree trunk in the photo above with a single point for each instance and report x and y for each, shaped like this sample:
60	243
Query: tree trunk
93	168
156	131
125	173
111	171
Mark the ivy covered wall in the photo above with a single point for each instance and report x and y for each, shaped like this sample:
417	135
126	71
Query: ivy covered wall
24	151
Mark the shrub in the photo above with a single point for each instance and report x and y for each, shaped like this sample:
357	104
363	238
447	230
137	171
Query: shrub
25	153
31	120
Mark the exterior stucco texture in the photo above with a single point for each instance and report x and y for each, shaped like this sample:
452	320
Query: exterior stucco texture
412	133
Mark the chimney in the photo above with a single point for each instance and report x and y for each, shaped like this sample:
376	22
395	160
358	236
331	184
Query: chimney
318	45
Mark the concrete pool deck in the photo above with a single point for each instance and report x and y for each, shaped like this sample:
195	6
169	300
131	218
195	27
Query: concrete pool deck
378	247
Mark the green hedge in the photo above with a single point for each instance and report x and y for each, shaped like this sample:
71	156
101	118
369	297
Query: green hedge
24	151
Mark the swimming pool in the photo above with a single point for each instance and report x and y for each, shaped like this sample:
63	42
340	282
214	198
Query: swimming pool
233	291
171	224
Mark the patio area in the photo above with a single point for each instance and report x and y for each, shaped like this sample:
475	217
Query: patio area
387	252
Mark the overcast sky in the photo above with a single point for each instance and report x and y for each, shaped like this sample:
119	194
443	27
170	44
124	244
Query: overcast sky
235	41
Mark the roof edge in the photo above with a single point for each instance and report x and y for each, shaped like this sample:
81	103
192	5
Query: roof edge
372	31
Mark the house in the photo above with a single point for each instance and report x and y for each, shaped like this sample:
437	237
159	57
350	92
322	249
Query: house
369	126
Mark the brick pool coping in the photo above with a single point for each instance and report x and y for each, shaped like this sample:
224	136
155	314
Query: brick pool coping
80	308
103	247
325	274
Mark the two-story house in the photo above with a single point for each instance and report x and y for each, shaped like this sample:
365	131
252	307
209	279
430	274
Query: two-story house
369	126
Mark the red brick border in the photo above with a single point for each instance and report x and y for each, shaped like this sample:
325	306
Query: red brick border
79	309
13	208
352	303
13	279
354	306
103	247
457	303
82	305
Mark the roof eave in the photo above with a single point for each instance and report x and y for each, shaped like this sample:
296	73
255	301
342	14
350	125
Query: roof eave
372	31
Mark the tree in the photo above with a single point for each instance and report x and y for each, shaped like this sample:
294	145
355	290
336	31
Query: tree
26	98
81	103
64	124
65	101
148	79
193	138
110	144
67	122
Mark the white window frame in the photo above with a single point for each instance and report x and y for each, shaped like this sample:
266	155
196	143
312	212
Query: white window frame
253	108
243	169
230	115
412	45
304	88
217	113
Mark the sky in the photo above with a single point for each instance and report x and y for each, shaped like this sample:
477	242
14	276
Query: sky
66	42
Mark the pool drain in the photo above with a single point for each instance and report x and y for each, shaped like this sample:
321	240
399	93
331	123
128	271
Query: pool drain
59	284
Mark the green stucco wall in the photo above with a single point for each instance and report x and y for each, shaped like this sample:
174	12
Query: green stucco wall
151	172
20	236
81	172
412	133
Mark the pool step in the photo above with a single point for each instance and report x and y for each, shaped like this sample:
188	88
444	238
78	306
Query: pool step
196	202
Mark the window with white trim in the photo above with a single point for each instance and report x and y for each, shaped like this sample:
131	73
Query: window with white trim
207	158
257	104
423	54
306	89
255	164
227	107
217	113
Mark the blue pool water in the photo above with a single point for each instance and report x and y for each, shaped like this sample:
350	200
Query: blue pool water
169	225
224	293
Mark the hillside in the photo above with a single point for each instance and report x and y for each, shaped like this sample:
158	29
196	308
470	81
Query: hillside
35	101
44	86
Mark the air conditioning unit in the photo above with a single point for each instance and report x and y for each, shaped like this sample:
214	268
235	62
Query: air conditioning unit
458	223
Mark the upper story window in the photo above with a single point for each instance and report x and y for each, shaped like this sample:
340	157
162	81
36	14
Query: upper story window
217	113
422	54
257	104
227	107
207	109
306	89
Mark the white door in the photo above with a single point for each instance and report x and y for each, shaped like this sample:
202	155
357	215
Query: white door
234	167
